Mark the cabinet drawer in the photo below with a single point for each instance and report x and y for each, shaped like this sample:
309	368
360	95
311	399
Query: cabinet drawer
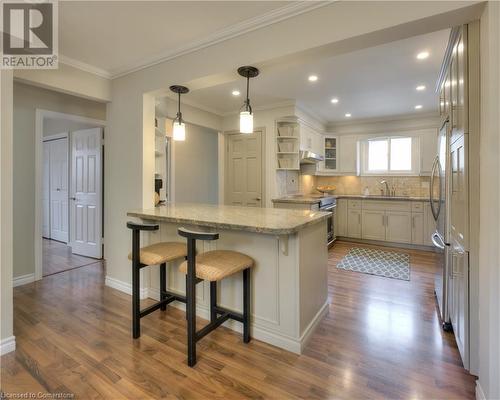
354	204
417	206
387	205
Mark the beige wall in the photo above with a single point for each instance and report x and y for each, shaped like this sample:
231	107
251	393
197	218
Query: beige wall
196	166
489	220
26	100
6	220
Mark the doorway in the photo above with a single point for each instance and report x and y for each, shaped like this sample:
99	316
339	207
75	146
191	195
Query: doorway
69	212
243	171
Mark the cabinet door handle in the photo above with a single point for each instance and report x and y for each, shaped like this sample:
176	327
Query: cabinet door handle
359	218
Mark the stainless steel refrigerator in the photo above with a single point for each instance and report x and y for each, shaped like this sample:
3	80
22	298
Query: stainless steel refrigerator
440	201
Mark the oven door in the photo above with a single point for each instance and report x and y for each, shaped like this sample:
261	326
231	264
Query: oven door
330	223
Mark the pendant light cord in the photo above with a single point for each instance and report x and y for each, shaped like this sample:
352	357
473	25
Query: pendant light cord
179	114
247	101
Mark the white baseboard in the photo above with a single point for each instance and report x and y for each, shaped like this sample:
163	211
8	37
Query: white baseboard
306	336
479	391
124	287
23	280
7	345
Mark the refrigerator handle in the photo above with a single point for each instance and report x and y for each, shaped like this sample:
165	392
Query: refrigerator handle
436	240
435	213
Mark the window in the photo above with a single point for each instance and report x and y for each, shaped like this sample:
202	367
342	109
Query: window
390	155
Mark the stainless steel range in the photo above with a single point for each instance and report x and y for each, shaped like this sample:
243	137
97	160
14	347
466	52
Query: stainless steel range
329	203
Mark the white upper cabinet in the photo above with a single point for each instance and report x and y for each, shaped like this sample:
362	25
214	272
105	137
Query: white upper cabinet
428	146
348	155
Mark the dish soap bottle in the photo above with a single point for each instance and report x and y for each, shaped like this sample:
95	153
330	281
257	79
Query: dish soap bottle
366	191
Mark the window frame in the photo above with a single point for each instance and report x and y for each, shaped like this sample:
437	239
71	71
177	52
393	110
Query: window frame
415	156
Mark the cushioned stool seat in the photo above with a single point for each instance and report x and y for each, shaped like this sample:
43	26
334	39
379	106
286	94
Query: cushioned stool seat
216	265
160	253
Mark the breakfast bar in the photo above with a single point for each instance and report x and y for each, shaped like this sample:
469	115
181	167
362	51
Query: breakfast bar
289	279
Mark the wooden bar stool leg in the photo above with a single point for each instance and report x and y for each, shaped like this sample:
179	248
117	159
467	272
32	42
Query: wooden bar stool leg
191	302
213	300
163	285
246	305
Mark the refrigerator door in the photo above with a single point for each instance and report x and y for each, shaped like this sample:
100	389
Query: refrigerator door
441	279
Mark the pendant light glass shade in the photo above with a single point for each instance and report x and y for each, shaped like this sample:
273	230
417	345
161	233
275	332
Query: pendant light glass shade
179	128
246	122
246	115
179	131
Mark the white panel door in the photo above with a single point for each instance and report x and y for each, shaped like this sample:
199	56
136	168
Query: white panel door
58	166
46	191
86	193
354	223
373	227
244	169
398	227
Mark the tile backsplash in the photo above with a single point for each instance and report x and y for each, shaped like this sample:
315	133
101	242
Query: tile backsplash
404	185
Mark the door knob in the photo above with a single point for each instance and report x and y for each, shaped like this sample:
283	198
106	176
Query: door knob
58	189
257	198
73	198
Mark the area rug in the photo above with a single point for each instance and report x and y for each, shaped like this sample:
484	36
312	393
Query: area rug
377	262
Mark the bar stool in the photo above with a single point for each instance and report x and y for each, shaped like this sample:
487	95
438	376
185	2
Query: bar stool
155	254
212	266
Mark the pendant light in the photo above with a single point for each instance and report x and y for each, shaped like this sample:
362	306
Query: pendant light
179	125
246	115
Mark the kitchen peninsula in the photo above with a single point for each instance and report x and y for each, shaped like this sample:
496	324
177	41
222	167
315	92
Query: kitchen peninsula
289	281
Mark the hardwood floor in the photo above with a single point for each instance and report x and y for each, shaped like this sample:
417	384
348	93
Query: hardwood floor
57	257
381	339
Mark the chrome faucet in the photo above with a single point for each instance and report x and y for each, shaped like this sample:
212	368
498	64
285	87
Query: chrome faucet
387	192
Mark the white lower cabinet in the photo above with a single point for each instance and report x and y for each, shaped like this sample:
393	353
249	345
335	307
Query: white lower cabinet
417	228
373	226
341	225
383	220
354	223
398	227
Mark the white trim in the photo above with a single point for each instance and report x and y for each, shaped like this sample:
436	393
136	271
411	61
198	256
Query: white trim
84	67
40	114
23	280
125	287
7	345
308	332
289	11
479	391
56	136
257	332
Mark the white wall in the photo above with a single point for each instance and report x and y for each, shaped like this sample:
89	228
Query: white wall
6	198
26	100
196	166
489	234
53	126
69	80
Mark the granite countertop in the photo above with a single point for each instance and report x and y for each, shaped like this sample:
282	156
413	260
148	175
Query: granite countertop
274	221
307	199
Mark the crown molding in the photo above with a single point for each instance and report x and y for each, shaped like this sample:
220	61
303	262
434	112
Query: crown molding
391	118
84	67
249	25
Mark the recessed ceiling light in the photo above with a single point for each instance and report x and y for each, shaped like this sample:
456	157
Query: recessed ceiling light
313	78
348	115
418	107
423	55
420	88
334	100
235	92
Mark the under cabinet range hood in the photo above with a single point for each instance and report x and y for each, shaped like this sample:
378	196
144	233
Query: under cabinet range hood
308	157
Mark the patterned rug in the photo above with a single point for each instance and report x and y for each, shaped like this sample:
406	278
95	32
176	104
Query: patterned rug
377	262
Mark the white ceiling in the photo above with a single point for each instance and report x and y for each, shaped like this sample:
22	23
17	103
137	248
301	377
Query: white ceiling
116	36
370	83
